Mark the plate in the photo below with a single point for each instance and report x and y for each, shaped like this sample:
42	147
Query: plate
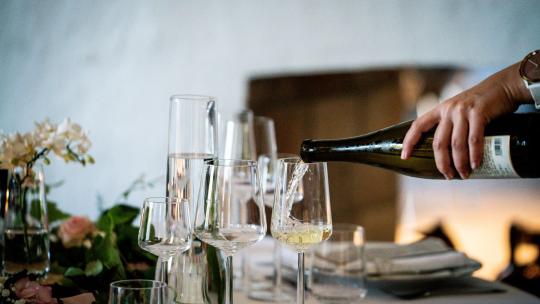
413	283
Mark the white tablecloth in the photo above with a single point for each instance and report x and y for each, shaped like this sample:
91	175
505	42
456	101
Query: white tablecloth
374	296
511	294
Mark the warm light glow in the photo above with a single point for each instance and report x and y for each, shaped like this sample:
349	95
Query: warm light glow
475	214
6	205
526	254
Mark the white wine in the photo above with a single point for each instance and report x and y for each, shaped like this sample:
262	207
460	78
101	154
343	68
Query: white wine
232	239
302	236
511	150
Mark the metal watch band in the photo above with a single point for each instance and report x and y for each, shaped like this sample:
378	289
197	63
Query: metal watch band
535	93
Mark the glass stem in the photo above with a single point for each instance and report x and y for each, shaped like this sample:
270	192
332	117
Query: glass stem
229	280
163	272
277	268
300	280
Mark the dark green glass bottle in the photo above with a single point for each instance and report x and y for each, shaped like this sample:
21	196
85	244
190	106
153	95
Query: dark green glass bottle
511	150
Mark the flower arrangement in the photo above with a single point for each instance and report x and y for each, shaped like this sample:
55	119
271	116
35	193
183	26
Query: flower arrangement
86	256
67	140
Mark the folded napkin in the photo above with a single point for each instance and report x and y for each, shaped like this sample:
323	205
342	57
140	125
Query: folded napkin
426	256
385	259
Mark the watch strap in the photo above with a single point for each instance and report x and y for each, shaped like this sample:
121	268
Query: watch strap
534	88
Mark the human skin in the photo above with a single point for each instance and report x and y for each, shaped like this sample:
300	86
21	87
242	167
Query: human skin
458	143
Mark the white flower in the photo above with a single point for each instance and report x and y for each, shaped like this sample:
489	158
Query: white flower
5	293
66	140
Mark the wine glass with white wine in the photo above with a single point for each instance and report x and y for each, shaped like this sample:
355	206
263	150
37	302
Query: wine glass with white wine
301	222
225	218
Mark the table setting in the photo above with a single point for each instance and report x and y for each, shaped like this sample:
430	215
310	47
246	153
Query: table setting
208	238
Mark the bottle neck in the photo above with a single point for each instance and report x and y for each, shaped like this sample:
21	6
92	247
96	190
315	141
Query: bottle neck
328	150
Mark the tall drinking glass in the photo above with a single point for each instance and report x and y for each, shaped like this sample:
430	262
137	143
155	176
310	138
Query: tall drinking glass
192	140
224	218
25	223
301	222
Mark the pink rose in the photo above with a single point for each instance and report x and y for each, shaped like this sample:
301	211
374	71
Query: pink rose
73	231
32	292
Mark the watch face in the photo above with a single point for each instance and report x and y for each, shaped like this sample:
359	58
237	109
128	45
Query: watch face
530	67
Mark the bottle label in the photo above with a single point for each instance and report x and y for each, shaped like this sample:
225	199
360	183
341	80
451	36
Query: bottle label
496	162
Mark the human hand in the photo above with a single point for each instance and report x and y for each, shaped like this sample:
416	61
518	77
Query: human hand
458	143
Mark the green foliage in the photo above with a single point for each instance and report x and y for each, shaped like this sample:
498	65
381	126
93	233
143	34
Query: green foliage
107	255
73	272
93	268
55	214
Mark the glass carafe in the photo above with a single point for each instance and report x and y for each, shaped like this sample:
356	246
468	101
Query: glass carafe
195	274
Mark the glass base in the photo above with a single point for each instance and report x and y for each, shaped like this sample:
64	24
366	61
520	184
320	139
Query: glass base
270	296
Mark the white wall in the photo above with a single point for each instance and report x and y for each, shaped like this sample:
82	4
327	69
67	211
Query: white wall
111	65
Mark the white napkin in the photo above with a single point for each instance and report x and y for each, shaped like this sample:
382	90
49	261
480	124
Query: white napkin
384	258
426	256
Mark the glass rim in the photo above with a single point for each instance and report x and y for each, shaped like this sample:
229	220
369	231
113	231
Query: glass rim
263	119
166	200
116	284
346	228
191	97
283	155
297	160
227	162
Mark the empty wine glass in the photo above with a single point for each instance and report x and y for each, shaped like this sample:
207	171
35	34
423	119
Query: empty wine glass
268	168
224	218
266	153
138	291
239	137
301	222
165	229
240	143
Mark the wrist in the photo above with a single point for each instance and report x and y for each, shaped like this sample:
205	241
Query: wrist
515	86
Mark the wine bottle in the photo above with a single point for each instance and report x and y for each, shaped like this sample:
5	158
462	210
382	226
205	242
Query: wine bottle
511	149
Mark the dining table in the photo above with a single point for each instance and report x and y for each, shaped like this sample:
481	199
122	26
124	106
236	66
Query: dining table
493	292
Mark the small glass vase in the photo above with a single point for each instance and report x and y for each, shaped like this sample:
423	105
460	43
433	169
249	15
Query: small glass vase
25	228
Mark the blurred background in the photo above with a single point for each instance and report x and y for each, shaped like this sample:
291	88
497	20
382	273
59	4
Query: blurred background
319	68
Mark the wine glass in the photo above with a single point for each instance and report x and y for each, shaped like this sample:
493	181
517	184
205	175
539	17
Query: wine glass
138	291
239	137
266	153
165	229
303	221
240	143
224	218
268	168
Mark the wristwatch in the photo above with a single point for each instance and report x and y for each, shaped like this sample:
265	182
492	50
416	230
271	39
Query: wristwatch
529	70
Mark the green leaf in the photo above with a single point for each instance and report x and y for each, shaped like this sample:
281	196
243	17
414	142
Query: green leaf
66	282
55	214
123	214
93	268
73	272
35	209
105	223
